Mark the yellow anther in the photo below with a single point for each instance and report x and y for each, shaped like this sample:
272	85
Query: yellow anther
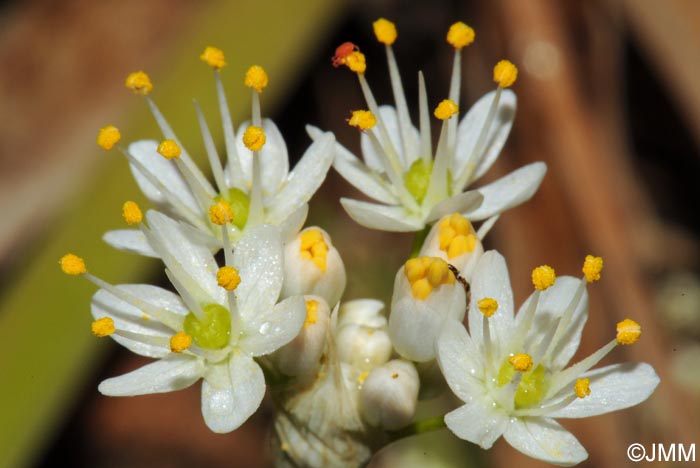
436	272
385	31
488	306
221	213
214	57
356	62
313	247
446	109
72	265
543	277
427	273
180	342
461	245
521	362
592	267
582	388
256	78
227	277
505	74
254	138
311	313
414	269
628	332
108	137
421	289
460	35
169	149
363	376
455	235
103	327
131	213
139	82
362	119
460	223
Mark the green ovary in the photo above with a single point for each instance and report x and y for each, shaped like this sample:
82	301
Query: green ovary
533	386
417	179
214	331
240	205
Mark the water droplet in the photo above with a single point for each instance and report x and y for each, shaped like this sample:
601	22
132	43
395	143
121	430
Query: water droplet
264	328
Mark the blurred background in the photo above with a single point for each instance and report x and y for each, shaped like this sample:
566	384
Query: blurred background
608	98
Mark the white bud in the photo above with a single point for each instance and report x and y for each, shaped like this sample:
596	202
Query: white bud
301	357
465	262
363	347
313	266
367	312
389	395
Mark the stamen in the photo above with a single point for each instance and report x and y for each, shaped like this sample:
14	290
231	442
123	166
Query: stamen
356	62
425	274
228	278
342	52
362	119
582	388
446	109
212	154
220	212
131	213
108	137
313	247
103	327
229	135
254	138
488	306
592	267
543	277
139	83
180	342
71	264
568	375
460	35
169	149
385	31
311	313
505	74
214	57
628	332
256	78
521	362
425	137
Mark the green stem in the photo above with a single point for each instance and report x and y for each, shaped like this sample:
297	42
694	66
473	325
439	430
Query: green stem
418	240
419	427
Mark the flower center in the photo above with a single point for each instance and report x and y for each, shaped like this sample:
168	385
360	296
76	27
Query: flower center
417	179
214	331
532	387
240	206
426	274
313	247
456	236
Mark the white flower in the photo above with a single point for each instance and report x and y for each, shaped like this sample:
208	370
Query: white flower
255	184
361	334
414	185
389	395
221	320
511	372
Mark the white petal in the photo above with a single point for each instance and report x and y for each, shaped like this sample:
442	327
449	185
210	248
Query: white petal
258	257
479	422
163	170
362	177
460	361
470	128
367	312
461	203
291	226
544	439
509	191
274	159
373	160
304	180
381	217
130	240
275	327
613	388
490	280
232	393
174	372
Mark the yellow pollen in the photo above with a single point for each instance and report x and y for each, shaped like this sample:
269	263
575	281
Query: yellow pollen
313	247
256	78
131	213
628	332
108	137
361	379
103	327
356	62
426	274
169	149
488	306
180	342
505	74
311	313
543	277
456	235
521	362
592	267
582	388
214	57
385	31
139	82
460	35
72	265
227	277
221	213
254	138
362	119
446	109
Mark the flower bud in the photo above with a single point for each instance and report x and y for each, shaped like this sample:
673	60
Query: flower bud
363	347
301	357
367	312
389	395
313	266
454	240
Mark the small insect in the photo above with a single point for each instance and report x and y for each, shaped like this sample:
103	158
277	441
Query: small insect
463	282
341	53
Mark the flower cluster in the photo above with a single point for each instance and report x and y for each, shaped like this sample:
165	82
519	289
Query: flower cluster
256	300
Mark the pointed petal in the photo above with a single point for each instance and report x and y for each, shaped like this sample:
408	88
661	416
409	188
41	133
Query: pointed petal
460	361
381	217
129	240
258	257
274	159
231	393
478	422
304	180
275	327
461	203
291	226
613	388
544	439
369	152
171	373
